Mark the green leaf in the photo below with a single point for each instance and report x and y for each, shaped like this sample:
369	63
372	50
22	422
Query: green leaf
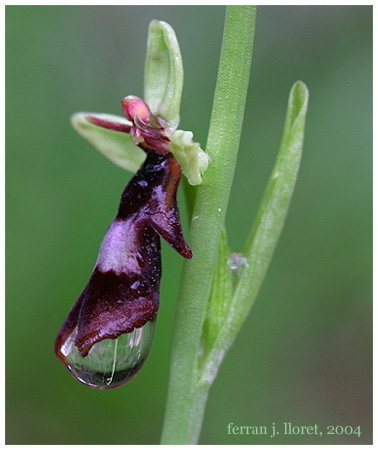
265	231
274	206
219	299
164	73
116	146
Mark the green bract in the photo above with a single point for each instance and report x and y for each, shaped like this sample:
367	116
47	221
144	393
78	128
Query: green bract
227	309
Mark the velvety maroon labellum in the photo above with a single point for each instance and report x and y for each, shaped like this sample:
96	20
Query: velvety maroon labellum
122	294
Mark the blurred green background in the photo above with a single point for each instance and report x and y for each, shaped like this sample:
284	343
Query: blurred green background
304	354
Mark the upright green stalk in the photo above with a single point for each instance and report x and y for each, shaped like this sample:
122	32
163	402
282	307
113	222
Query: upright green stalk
187	393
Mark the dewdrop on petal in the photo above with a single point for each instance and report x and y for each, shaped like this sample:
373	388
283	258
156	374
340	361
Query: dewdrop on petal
112	362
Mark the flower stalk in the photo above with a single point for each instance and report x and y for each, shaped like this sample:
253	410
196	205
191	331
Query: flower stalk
218	287
187	396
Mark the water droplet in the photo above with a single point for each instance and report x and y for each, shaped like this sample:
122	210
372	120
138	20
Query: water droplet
236	263
112	362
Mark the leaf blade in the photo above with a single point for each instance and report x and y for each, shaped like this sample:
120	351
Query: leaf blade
265	231
274	206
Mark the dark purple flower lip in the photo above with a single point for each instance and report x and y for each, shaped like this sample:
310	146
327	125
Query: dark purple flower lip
122	293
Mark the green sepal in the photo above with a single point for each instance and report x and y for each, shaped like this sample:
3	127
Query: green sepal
116	146
164	73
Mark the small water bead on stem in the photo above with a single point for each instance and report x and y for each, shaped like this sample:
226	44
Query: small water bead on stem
112	362
236	263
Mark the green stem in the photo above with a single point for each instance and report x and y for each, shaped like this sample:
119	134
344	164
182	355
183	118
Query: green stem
186	395
190	196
